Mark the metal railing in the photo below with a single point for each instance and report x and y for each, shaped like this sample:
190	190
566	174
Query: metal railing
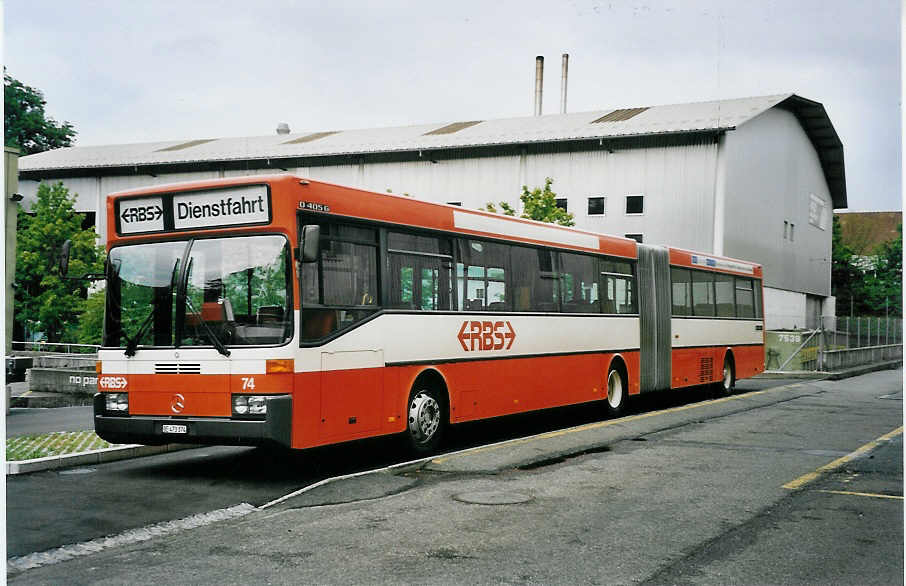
55	347
837	342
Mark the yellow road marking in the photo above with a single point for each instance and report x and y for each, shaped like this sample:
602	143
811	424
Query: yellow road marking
806	478
871	494
607	423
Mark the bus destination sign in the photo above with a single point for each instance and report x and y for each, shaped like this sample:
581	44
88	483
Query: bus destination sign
248	204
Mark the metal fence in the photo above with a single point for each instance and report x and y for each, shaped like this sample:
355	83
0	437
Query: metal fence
837	343
55	347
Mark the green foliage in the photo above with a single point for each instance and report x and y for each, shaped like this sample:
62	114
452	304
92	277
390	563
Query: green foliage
27	126
43	298
91	320
537	204
867	286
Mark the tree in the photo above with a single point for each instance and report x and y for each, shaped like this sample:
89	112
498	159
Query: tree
91	320
843	273
880	291
537	204
27	126
43	298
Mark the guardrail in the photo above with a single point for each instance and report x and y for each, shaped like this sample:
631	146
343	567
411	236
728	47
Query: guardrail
833	360
55	347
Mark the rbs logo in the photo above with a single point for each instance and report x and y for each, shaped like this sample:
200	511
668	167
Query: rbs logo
486	335
112	382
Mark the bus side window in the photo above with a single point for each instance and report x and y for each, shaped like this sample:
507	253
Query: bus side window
703	293
681	291
482	272
619	287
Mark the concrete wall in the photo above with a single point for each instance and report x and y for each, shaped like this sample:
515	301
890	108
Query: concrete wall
773	176
72	381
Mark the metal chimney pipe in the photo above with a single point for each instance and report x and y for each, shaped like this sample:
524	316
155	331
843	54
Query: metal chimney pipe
563	75
539	81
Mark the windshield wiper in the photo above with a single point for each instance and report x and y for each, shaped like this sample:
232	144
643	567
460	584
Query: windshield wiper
216	341
132	343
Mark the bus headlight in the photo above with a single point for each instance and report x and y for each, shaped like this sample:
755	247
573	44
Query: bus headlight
117	402
246	405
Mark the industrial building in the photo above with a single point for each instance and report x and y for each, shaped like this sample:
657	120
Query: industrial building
754	178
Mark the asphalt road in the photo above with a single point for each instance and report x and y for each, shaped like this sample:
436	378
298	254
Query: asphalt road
22	421
680	491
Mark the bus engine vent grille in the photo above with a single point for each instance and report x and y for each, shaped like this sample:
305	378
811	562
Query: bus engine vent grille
177	368
706	370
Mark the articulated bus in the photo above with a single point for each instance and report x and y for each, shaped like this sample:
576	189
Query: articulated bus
282	310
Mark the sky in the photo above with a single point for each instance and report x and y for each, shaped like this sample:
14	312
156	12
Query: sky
128	72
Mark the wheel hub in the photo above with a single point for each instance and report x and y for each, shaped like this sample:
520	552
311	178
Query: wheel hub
424	417
614	389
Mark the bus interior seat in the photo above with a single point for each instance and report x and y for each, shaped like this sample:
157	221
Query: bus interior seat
212	311
497	306
317	323
270	314
609	306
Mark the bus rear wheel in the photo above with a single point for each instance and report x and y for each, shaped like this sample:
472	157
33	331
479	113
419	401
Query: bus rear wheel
727	383
617	392
425	420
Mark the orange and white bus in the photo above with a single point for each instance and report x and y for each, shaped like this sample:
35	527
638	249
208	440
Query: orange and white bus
277	309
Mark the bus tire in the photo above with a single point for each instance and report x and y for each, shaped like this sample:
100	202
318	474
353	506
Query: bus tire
727	383
617	391
426	417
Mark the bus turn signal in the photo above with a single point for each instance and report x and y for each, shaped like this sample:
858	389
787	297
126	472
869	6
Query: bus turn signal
280	365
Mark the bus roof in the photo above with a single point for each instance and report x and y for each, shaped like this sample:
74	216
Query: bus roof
291	194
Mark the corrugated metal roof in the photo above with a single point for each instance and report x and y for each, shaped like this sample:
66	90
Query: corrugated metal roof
626	122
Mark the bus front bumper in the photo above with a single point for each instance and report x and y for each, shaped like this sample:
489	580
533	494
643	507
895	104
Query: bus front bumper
276	428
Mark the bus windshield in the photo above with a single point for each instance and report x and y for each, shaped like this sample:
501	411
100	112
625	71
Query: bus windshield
207	292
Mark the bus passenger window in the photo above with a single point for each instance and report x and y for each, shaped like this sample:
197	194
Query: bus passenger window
681	282
724	295
619	287
703	293
578	284
339	289
419	272
481	276
745	298
534	279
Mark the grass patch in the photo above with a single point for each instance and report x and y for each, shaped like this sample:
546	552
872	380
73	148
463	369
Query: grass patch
58	443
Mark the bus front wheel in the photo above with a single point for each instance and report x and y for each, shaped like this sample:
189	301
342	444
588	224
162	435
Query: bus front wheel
426	419
617	392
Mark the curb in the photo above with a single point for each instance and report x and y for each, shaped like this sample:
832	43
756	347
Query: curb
92	457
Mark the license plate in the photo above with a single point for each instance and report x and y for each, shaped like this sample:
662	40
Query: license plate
174	428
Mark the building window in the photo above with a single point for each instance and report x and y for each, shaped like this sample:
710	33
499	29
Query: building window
597	206
635	204
637	237
561	203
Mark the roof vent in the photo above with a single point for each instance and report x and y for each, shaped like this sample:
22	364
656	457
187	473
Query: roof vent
283	128
185	145
455	127
311	137
620	115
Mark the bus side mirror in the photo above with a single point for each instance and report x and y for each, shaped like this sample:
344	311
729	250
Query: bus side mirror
311	242
64	257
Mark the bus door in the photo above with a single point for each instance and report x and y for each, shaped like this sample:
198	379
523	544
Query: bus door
339	293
